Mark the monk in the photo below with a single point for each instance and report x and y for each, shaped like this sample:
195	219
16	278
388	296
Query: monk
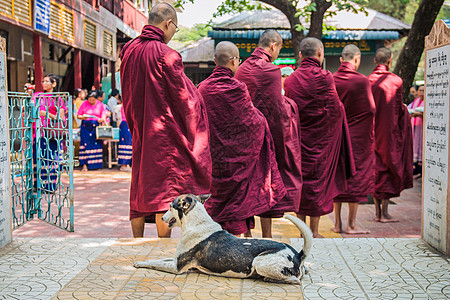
167	120
355	93
327	160
263	80
393	136
245	177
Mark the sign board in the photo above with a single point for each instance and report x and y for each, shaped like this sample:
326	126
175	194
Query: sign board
5	176
435	195
42	16
332	48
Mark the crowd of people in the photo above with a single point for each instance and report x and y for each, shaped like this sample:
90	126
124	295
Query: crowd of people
262	141
97	111
90	110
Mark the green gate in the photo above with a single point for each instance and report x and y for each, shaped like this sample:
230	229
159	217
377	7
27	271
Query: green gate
41	158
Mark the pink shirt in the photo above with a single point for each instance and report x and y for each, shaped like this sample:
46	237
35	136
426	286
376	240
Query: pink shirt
96	111
122	114
415	104
48	102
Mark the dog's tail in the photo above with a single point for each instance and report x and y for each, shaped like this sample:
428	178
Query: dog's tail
306	232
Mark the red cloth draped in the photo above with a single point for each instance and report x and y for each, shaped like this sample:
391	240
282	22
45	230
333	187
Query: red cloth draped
167	119
246	180
327	160
393	135
356	94
263	80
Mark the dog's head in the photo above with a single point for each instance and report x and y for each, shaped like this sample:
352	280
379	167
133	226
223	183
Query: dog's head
181	206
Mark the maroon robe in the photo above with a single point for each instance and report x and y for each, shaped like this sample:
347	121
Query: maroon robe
327	159
263	80
167	119
356	94
245	177
393	135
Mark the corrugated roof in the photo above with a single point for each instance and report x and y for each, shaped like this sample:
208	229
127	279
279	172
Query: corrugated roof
200	51
331	35
343	20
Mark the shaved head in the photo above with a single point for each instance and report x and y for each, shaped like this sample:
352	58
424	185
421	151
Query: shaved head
349	52
268	37
309	46
383	55
224	51
160	12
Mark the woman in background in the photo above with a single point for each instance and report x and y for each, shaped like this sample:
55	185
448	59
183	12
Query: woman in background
416	111
92	113
52	111
124	152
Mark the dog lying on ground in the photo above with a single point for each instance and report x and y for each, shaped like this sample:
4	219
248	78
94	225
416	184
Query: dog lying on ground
209	249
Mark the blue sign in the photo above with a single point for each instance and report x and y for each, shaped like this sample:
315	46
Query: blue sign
42	16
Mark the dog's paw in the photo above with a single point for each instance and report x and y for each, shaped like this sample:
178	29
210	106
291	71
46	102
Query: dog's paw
140	264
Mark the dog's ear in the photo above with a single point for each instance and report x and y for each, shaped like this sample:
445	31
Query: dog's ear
203	198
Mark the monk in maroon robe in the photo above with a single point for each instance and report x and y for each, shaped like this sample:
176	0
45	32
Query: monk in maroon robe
393	136
356	95
245	177
168	122
263	80
327	160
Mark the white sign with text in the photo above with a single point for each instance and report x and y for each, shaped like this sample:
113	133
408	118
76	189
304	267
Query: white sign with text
436	143
5	176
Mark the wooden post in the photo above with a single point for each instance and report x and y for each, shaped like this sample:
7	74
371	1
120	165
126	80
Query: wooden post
97	72
5	152
38	71
436	181
77	69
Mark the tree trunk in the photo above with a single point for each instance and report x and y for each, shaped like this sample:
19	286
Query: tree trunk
409	58
286	7
316	26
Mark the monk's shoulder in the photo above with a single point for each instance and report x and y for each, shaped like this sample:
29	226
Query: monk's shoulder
360	78
395	79
325	75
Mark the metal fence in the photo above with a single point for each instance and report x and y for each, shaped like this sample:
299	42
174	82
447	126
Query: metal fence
42	158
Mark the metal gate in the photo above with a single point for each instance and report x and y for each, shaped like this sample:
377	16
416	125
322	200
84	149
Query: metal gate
42	158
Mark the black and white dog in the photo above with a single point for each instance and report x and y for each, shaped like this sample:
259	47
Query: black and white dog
206	247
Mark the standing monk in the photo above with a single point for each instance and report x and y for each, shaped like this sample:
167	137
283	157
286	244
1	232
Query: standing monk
393	136
356	95
168	123
327	160
245	176
263	80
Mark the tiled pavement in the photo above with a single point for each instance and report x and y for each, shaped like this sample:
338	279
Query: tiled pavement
64	268
47	263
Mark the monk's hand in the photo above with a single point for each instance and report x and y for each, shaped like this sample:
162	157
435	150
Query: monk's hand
102	120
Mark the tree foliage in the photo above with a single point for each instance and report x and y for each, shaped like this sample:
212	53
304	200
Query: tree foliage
186	35
393	8
312	13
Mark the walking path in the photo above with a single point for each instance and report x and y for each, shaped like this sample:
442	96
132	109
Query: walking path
95	262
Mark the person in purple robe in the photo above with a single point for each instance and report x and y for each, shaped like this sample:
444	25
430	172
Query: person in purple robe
167	119
393	136
355	93
327	160
245	177
263	80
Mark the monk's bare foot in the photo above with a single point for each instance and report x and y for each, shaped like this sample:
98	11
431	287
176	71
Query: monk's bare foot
377	219
356	230
337	230
390	220
317	236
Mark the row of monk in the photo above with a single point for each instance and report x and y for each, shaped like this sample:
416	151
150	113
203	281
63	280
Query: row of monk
331	138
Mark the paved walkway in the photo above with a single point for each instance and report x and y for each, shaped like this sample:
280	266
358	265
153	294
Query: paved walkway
95	262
